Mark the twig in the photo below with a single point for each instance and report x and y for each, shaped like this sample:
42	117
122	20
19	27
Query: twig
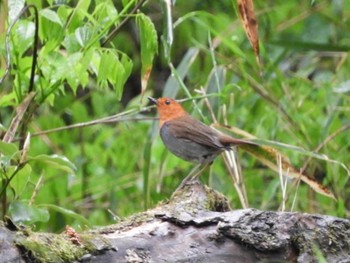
16	121
109	119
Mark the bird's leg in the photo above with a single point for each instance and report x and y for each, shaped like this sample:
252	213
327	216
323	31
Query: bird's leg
188	177
193	175
196	175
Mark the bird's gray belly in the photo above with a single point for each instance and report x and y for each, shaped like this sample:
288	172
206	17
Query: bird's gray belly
187	149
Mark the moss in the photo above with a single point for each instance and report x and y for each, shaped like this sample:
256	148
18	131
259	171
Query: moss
51	248
44	247
216	201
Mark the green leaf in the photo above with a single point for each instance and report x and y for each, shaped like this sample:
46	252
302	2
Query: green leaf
20	181
8	149
112	70
56	161
24	36
68	213
122	73
51	16
125	2
106	66
83	5
51	30
105	13
66	68
146	171
149	46
295	45
83	35
21	211
71	43
15	8
8	99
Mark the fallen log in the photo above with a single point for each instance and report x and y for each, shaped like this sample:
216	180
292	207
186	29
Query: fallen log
195	225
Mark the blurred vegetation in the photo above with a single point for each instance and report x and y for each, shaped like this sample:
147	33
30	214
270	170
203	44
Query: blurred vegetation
92	175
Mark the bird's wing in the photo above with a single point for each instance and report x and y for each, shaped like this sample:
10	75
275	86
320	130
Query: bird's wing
193	130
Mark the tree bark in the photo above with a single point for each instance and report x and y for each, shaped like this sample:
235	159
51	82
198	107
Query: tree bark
195	225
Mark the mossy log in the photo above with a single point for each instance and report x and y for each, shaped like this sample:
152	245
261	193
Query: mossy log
195	225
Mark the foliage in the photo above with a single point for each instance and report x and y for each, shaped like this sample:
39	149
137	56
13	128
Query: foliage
93	57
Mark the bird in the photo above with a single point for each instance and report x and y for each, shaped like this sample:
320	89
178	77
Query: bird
189	138
196	142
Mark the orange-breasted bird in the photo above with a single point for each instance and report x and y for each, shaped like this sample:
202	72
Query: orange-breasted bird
187	137
196	142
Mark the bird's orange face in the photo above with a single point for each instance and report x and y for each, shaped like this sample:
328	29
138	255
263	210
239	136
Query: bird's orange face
168	109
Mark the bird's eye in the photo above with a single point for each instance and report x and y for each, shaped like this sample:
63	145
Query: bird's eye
167	102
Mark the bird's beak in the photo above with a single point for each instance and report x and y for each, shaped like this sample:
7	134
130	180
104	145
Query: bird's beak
153	100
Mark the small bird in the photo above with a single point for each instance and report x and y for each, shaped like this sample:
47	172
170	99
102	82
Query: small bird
187	137
193	141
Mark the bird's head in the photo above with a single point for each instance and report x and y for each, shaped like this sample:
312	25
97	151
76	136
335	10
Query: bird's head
168	109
